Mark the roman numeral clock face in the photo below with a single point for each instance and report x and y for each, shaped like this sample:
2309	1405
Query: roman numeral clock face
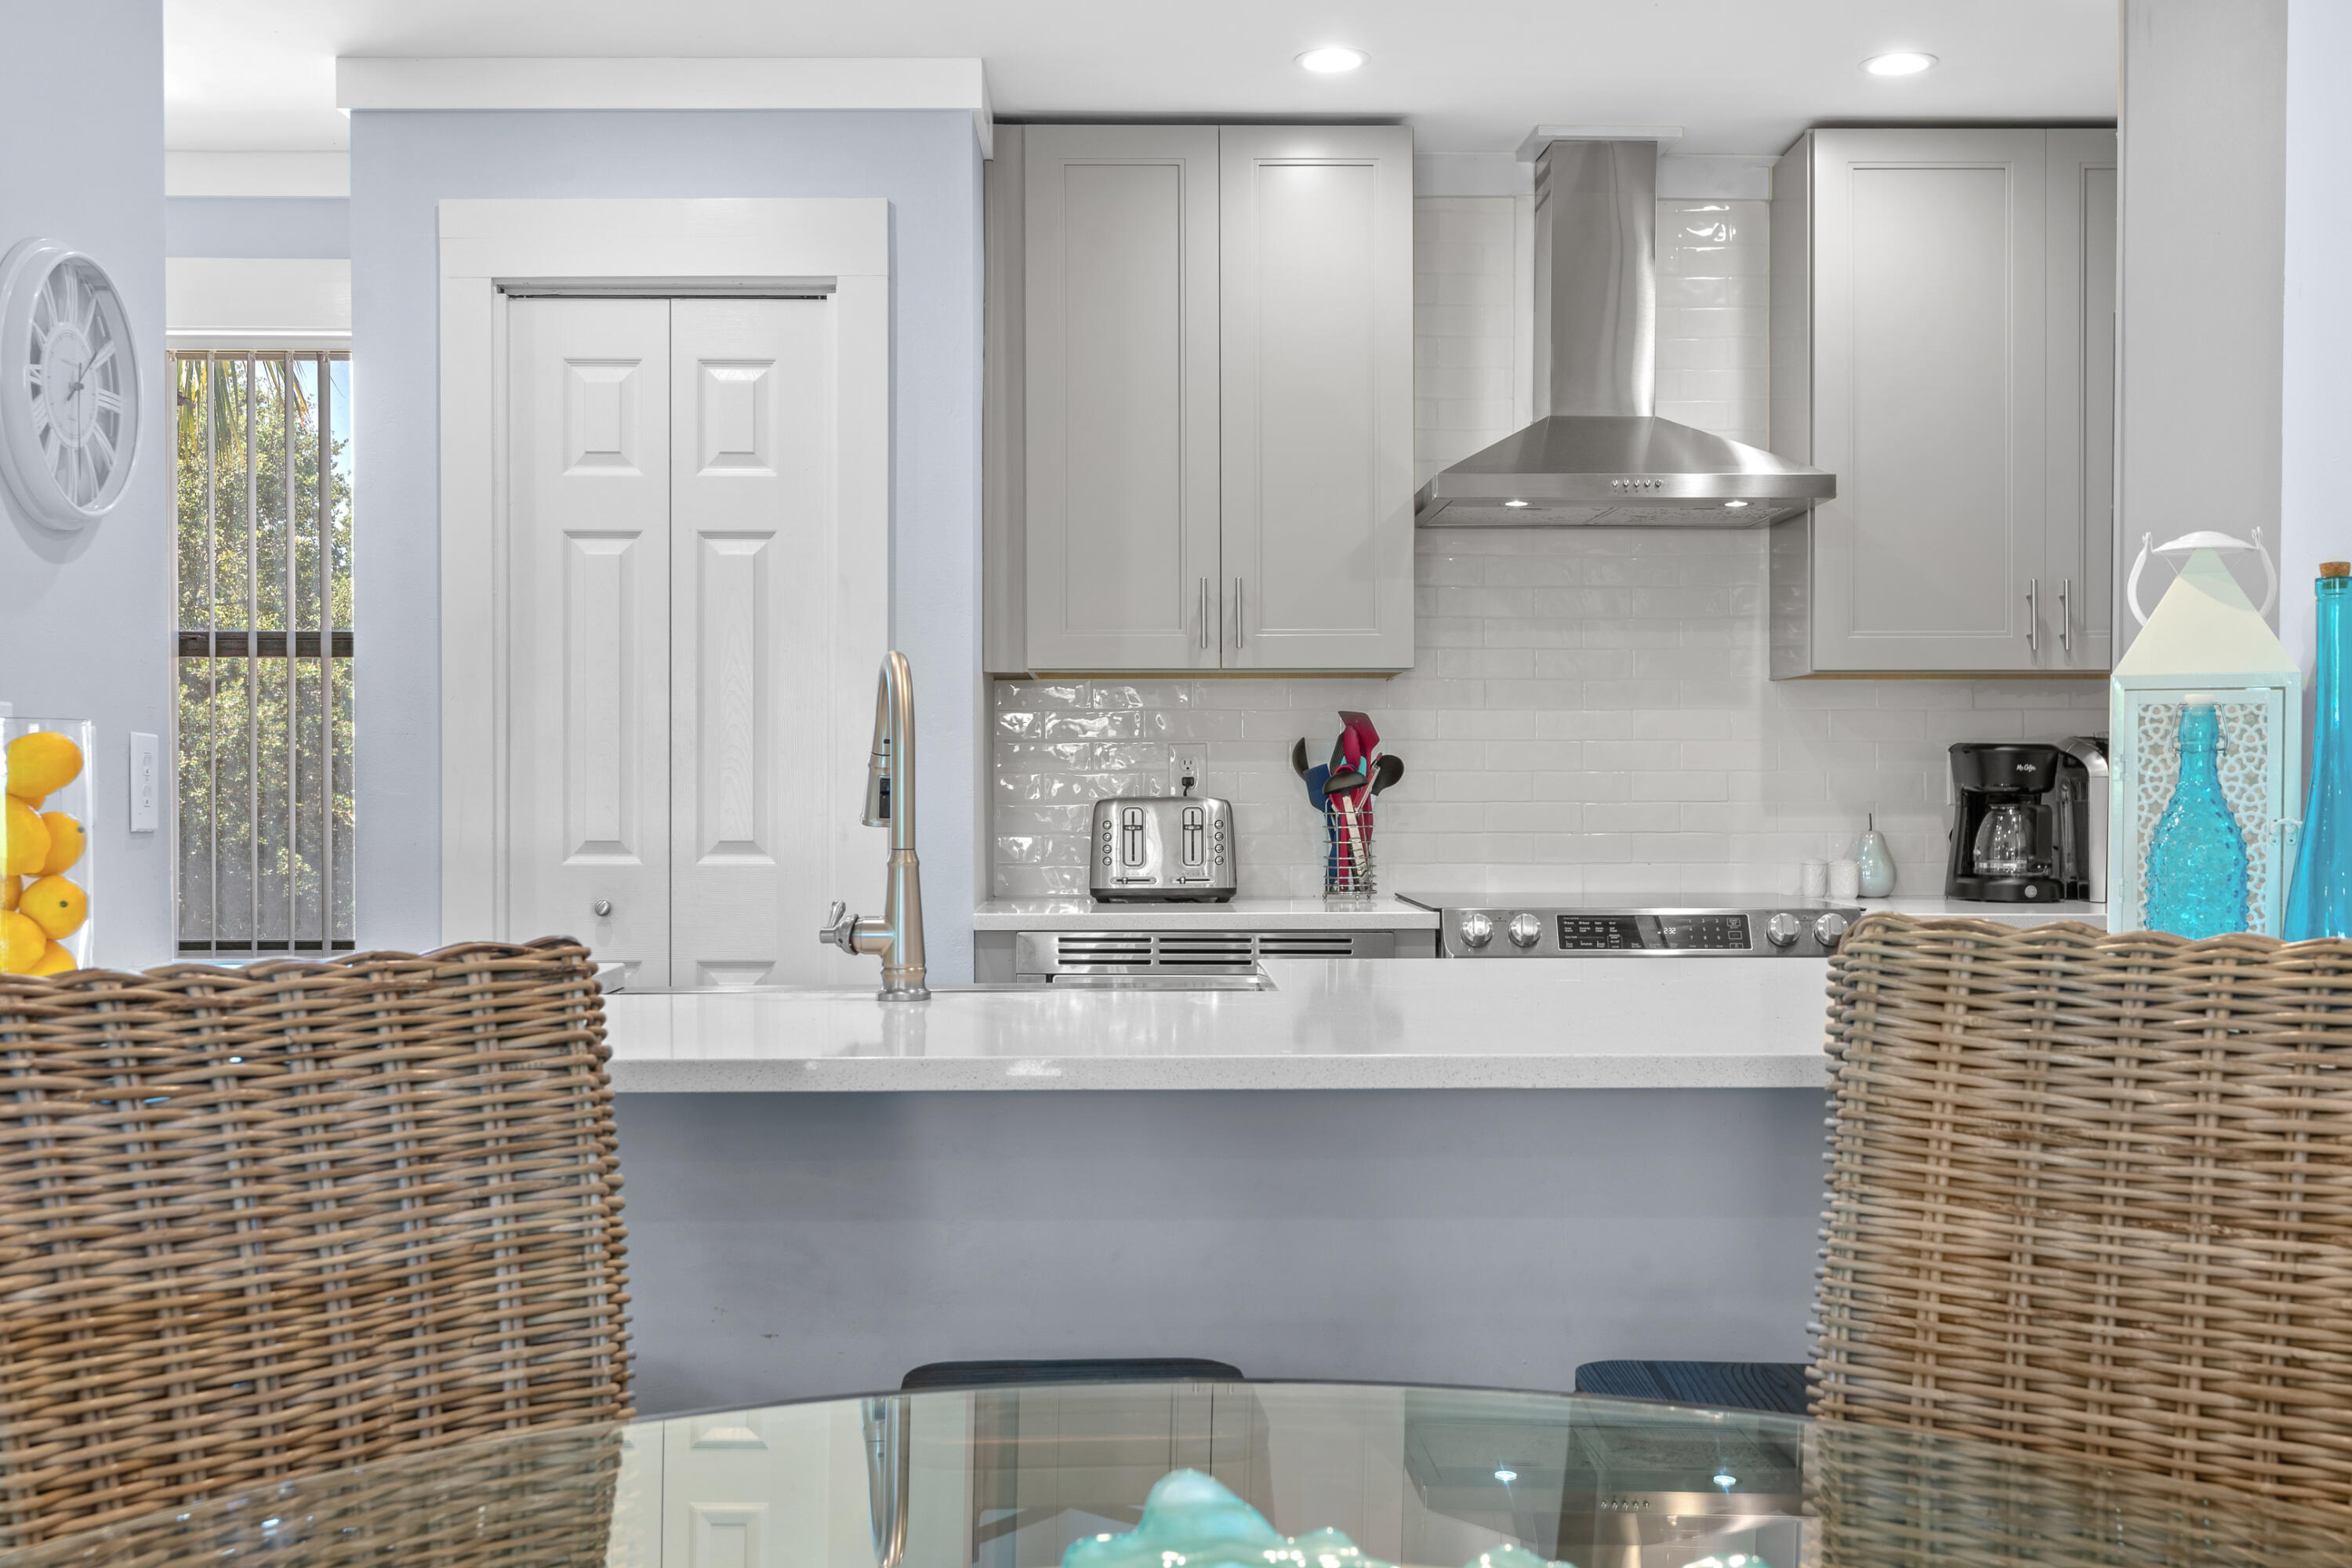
69	387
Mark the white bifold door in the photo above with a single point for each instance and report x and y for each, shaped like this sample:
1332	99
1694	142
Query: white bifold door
672	601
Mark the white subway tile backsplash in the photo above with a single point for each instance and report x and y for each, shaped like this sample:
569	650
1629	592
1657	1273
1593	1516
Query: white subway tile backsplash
1614	764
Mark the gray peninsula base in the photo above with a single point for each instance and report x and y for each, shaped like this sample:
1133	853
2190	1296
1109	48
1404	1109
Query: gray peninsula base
783	1245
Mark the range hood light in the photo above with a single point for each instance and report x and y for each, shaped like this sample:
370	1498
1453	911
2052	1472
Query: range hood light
1900	62
1515	503
1735	503
1331	59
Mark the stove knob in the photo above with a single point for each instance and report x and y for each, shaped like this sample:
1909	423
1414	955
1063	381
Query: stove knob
1829	928
1476	930
1524	931
1782	930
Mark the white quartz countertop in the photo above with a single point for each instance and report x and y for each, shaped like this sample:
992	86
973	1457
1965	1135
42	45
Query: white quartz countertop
1598	1022
1240	914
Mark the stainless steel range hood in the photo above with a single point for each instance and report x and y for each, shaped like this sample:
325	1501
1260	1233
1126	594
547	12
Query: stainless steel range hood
1601	455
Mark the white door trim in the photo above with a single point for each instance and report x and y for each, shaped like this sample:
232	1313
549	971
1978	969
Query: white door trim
786	244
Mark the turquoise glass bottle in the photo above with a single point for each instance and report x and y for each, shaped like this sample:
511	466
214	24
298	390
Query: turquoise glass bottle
2319	897
2196	859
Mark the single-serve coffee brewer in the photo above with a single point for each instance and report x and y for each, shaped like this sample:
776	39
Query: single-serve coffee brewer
2029	821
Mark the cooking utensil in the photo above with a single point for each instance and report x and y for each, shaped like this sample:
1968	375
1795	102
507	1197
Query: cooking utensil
1298	757
1385	775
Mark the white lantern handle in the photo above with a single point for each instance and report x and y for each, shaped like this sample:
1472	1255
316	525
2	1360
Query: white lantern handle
2189	541
2131	584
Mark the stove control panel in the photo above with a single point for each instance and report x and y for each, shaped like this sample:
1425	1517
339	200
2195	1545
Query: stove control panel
1806	931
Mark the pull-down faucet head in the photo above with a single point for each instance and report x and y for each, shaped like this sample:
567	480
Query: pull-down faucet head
897	938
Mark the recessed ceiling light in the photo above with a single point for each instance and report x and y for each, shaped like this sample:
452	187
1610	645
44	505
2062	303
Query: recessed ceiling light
1331	59
1901	62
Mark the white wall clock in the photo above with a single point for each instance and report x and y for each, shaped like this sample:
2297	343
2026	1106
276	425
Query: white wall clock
69	385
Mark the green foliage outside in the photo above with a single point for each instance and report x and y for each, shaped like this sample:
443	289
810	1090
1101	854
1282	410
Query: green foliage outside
252	784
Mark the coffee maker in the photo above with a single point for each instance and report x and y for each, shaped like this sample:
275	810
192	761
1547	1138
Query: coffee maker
2022	822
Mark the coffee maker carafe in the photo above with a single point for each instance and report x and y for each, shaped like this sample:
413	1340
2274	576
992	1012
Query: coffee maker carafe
2020	824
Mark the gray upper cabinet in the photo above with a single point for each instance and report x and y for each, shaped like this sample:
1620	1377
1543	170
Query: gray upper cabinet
1211	350
1931	344
2080	187
1317	268
1122	552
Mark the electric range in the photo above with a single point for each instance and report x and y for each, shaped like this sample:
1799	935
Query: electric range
1578	925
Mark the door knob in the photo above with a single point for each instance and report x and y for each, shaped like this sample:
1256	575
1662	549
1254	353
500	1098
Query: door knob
602	908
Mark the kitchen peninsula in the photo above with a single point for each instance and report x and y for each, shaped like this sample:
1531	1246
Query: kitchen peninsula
1459	1172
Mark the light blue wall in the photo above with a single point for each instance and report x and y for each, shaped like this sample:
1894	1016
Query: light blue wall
294	227
85	619
928	165
790	1246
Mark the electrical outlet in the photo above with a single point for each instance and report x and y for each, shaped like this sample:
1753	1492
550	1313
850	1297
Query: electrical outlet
1181	765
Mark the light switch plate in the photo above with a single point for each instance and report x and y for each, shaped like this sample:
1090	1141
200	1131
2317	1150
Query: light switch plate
146	782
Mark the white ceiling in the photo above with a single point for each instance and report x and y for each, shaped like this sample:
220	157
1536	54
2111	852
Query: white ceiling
1470	75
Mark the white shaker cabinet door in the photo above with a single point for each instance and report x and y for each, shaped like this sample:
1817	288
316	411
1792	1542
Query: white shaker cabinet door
1929	336
754	747
2081	557
1316	326
587	796
1121	353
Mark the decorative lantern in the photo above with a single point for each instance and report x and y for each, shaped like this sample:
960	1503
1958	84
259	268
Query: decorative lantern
2206	640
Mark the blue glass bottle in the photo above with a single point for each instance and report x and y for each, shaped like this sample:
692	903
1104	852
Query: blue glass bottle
2319	898
2196	860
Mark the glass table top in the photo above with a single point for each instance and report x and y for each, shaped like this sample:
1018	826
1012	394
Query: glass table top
1264	1473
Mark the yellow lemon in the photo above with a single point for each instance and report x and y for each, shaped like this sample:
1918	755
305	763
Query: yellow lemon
21	944
57	906
66	842
28	838
9	887
40	763
54	960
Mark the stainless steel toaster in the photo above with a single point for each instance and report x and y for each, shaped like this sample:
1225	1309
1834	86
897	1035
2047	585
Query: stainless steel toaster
1163	849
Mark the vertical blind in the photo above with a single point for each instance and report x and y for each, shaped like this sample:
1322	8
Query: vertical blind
264	597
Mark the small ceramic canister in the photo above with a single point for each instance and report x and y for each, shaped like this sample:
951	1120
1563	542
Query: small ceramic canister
1845	881
1813	880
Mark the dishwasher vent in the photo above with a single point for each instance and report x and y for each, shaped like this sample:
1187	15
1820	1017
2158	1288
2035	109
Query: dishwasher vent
1044	954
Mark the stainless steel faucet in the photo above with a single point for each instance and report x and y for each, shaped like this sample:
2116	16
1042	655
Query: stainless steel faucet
897	936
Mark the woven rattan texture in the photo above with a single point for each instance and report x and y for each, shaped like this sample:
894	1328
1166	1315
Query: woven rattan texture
2092	1195
262	1222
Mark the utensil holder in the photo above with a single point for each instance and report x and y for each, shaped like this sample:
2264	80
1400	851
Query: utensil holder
1349	872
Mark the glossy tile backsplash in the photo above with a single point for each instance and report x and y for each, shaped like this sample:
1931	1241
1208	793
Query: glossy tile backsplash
1588	709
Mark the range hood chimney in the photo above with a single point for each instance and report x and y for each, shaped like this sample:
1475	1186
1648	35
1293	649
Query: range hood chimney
1598	453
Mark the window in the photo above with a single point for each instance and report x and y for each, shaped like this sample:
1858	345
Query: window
264	654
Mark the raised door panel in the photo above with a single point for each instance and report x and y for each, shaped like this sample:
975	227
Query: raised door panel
1929	400
1121	400
754	823
587	796
1316	324
2082	376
